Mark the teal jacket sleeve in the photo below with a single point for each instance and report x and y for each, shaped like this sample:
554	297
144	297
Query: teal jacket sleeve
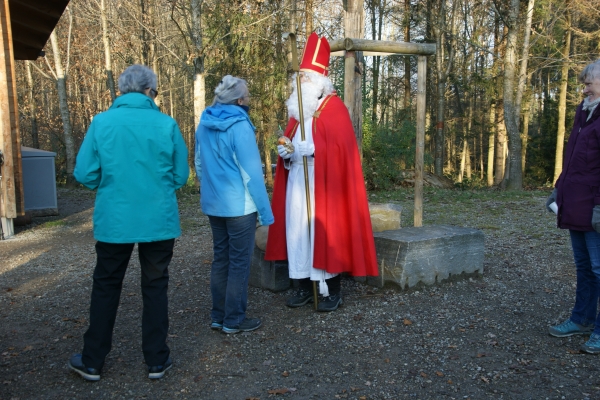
87	165
181	169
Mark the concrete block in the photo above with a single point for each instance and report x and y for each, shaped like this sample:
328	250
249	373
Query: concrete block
385	217
427	254
271	275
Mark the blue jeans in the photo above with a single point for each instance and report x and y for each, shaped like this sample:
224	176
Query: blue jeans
233	244
586	251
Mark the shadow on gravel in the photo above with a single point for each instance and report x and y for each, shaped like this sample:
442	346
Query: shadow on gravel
473	338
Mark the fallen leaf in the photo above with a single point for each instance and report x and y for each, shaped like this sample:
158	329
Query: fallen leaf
449	382
278	391
486	380
407	321
571	351
28	348
387	360
173	335
358	317
479	355
438	373
423	374
285	373
198	378
66	319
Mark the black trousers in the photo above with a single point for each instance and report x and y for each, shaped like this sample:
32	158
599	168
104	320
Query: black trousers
112	261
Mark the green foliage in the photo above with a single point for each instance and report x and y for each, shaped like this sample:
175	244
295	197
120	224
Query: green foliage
387	150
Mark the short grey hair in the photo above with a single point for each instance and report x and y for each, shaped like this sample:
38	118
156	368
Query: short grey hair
590	72
230	89
137	78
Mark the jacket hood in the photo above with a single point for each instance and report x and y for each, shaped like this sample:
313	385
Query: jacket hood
134	100
221	117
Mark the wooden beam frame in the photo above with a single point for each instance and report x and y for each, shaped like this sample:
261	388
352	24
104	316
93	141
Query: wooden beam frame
343	47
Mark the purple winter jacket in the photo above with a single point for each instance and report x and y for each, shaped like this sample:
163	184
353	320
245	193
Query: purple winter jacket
578	187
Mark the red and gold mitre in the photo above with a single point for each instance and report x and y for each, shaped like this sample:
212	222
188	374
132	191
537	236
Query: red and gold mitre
316	55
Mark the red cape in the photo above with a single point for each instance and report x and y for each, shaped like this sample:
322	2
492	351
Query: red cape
343	233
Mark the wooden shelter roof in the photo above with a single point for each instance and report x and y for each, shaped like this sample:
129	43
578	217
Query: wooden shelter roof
32	22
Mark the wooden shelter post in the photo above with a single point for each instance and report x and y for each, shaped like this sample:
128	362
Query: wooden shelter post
11	192
420	145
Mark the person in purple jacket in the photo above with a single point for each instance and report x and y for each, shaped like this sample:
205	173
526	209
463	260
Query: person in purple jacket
577	196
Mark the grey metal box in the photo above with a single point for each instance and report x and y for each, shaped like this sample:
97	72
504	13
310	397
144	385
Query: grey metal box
39	181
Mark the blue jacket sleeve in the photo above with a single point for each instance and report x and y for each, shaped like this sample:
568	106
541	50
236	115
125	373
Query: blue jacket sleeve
197	161
87	165
181	169
248	157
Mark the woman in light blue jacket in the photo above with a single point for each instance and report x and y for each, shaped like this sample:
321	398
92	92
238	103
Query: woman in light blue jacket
135	158
233	195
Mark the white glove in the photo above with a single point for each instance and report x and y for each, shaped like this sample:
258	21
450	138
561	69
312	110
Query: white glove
306	149
283	152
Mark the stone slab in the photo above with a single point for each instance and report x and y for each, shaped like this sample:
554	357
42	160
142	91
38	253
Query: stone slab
271	275
385	217
427	254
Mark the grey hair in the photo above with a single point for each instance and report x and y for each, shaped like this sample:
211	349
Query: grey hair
590	72
230	89
321	81
137	78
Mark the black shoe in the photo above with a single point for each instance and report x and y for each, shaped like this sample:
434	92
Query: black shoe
301	298
90	374
247	325
158	371
330	303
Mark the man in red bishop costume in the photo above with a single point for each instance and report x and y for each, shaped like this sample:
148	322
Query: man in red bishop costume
341	236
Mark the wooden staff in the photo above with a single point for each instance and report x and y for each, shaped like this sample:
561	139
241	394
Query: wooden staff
296	69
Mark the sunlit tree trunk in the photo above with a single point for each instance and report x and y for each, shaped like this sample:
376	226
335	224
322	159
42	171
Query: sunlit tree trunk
32	107
514	178
110	80
442	77
562	95
61	87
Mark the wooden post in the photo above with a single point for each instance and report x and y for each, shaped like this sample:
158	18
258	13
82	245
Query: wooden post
11	193
420	147
354	26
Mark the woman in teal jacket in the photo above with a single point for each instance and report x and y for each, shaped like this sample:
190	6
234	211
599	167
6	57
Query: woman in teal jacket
233	195
135	158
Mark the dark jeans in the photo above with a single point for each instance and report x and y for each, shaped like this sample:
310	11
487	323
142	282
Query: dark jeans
233	244
586	251
112	261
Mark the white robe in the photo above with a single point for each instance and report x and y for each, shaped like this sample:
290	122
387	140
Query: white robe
300	252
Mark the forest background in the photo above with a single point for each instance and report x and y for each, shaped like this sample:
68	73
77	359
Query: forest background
501	89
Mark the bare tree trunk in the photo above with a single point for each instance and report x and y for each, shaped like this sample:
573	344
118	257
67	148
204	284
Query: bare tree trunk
199	75
308	12
110	80
407	74
491	137
562	96
32	108
61	86
438	29
514	178
525	134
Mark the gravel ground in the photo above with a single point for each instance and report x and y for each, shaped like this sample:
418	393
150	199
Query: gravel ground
472	337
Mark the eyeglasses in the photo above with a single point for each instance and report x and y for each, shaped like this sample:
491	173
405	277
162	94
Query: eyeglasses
154	92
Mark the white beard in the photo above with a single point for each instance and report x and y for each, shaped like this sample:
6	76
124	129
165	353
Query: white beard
311	93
